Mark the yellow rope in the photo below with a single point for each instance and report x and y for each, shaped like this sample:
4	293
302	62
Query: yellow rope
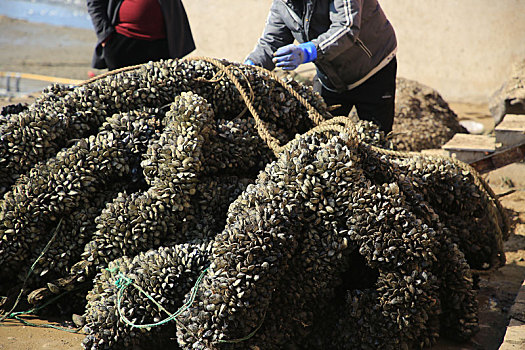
271	141
316	117
41	78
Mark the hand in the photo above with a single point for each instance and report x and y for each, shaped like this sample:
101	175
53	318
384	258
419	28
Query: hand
291	56
103	44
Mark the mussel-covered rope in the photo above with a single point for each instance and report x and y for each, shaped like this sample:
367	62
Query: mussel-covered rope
479	181
318	119
345	125
337	124
218	77
10	313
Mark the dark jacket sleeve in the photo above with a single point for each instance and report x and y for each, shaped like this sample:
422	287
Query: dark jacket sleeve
276	34
104	15
343	33
98	11
178	30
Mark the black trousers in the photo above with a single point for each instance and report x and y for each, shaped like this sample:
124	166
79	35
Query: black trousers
122	51
374	99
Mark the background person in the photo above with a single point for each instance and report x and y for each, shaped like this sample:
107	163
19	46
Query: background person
351	43
131	32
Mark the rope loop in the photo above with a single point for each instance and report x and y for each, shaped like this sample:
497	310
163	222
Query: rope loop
123	282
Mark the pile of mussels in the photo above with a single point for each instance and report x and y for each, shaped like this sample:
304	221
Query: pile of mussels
153	187
423	119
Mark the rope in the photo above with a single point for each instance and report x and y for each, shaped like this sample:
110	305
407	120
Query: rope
27	323
110	73
239	340
314	115
220	74
336	124
15	315
271	141
123	282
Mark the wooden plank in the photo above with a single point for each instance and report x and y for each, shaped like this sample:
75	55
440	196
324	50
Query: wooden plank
515	335
512	122
469	148
500	159
511	131
469	142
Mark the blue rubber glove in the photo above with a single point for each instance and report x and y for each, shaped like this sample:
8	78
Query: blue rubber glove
249	62
291	56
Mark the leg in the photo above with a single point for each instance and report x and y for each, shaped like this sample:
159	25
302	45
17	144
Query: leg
333	98
376	97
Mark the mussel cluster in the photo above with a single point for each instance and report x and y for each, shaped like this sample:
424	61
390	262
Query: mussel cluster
157	186
423	119
13	109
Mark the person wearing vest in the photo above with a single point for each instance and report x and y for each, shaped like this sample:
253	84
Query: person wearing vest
131	32
351	43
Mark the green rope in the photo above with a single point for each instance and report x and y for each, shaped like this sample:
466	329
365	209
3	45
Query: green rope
27	323
16	315
10	313
124	282
239	340
33	310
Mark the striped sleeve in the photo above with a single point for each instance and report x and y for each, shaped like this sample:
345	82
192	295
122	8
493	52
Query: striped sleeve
275	35
345	17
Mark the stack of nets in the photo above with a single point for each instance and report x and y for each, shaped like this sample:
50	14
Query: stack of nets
213	205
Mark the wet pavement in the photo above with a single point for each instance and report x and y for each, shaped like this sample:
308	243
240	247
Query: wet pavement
68	13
